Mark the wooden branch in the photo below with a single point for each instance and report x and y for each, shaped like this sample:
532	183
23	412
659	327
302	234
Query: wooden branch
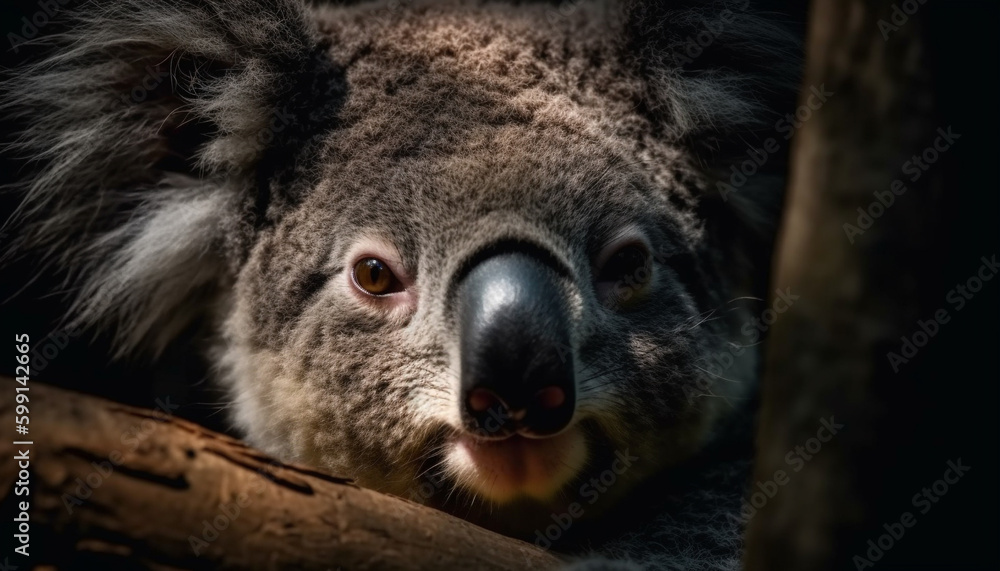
110	483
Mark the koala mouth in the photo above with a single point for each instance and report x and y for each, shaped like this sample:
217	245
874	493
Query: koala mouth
517	387
515	467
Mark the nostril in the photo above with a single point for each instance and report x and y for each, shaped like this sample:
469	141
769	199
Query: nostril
481	400
487	415
550	397
514	324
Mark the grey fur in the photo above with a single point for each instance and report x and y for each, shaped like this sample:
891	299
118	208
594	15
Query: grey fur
236	191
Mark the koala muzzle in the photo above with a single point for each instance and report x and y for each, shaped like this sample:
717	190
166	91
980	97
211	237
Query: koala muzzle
516	363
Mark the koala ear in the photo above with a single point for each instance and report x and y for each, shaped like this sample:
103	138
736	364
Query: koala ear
718	78
713	70
154	136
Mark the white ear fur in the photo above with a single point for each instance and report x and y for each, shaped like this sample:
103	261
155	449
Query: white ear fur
128	87
160	257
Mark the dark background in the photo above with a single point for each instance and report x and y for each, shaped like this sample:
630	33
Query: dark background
961	365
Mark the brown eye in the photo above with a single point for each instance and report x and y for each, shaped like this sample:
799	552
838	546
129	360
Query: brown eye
375	278
625	274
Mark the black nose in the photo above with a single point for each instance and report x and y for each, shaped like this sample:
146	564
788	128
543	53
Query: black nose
517	369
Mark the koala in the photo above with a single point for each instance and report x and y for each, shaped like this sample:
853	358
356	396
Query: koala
488	256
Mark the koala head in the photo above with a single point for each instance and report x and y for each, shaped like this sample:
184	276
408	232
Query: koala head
466	253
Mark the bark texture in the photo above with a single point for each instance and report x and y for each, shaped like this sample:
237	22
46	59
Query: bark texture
124	488
884	218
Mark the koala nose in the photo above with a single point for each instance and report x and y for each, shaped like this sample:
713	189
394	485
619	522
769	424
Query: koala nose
516	365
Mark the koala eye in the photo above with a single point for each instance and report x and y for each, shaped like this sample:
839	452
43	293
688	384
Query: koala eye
624	274
374	277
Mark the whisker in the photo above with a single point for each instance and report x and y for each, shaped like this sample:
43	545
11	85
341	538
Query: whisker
714	375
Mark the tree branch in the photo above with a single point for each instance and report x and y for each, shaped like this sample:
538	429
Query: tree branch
112	484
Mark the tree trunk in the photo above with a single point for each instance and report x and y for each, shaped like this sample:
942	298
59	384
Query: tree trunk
113	486
876	341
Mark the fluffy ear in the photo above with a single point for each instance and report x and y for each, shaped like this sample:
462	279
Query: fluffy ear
155	136
713	70
719	77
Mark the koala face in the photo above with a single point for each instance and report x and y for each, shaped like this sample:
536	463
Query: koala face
469	253
498	281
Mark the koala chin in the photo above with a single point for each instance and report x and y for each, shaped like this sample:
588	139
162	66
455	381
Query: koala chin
483	255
